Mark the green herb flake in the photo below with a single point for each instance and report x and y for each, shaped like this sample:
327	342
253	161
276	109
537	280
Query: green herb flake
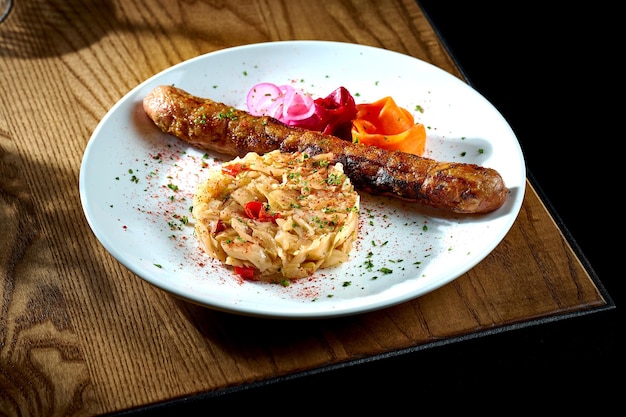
334	179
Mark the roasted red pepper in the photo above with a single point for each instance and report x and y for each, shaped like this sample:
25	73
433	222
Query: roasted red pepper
245	272
257	210
233	169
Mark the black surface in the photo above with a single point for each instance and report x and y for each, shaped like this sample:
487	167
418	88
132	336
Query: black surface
532	64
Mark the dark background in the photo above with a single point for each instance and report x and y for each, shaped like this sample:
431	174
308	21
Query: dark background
547	72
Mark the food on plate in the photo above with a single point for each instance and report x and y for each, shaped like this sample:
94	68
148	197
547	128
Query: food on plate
386	125
381	123
332	114
213	126
277	216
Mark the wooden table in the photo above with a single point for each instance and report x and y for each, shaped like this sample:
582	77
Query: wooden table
82	335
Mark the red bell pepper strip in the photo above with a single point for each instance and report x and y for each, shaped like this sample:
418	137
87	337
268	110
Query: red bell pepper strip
233	169
257	210
245	272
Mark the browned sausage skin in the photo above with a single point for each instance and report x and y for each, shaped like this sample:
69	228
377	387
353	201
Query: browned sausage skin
214	126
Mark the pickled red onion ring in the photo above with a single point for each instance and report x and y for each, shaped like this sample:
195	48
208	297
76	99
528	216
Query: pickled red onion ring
263	99
284	103
297	105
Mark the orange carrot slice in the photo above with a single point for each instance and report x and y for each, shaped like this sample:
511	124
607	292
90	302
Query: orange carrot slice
386	125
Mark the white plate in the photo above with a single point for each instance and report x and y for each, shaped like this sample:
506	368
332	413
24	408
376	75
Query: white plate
129	165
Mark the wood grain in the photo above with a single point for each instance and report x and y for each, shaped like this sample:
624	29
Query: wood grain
82	335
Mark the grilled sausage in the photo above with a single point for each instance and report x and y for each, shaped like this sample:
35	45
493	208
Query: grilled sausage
214	126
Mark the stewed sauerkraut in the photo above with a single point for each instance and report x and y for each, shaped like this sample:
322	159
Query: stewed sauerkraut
277	216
